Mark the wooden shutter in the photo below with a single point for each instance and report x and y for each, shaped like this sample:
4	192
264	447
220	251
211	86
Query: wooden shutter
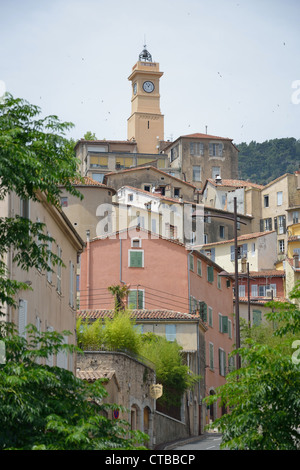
261	225
224	324
136	259
203	311
232	253
22	317
211	356
210	273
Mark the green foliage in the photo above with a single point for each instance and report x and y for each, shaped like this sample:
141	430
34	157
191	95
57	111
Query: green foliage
45	160
120	333
120	293
90	336
263	395
48	408
90	136
171	372
266	161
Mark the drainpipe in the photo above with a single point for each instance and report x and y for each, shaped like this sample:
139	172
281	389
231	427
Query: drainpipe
88	254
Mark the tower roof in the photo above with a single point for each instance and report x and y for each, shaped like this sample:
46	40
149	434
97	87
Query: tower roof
145	56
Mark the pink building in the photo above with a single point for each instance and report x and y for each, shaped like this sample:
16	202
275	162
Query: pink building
163	274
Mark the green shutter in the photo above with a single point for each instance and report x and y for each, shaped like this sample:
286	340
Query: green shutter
136	259
224	324
132	299
256	317
210	273
203	311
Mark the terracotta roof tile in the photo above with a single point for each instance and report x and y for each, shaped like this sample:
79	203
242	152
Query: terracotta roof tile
235	183
246	236
139	314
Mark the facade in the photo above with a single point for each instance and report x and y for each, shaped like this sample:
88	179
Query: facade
292	263
278	199
128	382
188	330
162	274
151	179
197	157
99	157
86	214
263	286
50	305
258	249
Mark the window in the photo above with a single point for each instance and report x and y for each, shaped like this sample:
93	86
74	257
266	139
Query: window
210	274
136	243
222	231
171	231
136	258
24	208
242	251
211	356
199	267
242	291
170	332
281	225
147	188
71	284
229	329
98	162
62	356
98	177
256	317
223	323
49	262
210	316
279	198
130	197
64	202
136	299
222	362
215	150
266	201
295	217
196	173
196	148
22	317
191	262
254	290
216	171
281	246
58	275
253	249
176	192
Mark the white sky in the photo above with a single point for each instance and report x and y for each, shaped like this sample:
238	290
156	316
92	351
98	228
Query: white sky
229	65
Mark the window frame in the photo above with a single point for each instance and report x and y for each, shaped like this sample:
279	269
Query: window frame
136	250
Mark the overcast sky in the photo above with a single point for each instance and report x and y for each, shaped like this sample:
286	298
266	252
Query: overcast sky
230	65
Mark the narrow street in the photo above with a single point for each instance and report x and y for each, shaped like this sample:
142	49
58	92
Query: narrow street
209	442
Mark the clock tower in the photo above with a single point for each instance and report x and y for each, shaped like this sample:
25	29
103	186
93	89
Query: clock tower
146	123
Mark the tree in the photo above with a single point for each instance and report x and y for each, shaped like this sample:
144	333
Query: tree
46	161
90	136
48	408
263	395
119	293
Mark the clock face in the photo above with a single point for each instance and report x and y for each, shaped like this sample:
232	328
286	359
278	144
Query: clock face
134	88
148	87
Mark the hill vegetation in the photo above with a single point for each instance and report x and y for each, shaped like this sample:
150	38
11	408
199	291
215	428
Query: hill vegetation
266	161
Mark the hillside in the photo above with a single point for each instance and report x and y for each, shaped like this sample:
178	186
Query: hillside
266	161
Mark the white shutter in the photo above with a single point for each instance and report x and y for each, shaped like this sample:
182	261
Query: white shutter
49	360
22	317
71	291
62	356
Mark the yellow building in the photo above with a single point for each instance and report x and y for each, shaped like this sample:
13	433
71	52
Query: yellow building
292	264
146	123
